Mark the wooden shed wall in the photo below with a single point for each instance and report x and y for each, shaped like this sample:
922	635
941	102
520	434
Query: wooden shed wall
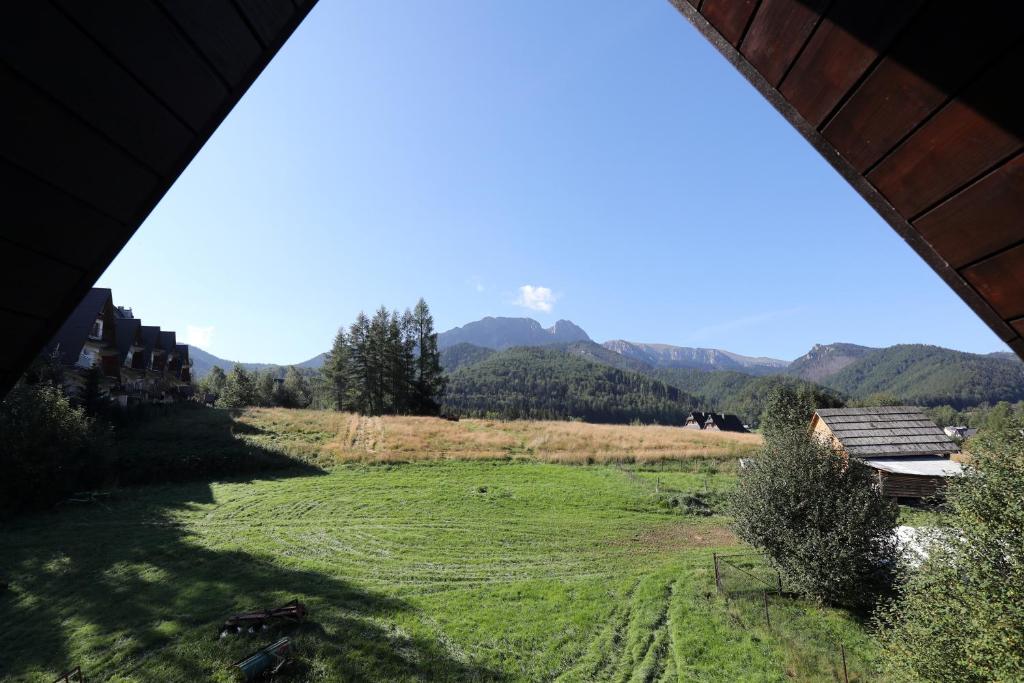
909	485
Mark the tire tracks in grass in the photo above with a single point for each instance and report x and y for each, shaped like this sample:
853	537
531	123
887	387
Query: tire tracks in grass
658	648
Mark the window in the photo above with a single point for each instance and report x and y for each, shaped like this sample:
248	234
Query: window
97	329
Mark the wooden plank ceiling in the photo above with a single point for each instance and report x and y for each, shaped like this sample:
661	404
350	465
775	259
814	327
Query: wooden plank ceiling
917	104
104	104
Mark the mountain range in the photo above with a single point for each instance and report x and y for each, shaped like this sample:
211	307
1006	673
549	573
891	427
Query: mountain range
490	373
504	333
203	362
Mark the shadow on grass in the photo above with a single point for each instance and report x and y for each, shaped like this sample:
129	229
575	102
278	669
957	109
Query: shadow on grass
125	589
192	442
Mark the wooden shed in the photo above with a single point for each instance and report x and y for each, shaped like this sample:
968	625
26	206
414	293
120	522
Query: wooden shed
909	453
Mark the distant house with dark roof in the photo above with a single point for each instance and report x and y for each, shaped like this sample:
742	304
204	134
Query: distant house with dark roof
911	456
695	420
961	432
88	339
723	422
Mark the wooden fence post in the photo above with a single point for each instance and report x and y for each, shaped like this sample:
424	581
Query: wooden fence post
842	651
718	574
767	618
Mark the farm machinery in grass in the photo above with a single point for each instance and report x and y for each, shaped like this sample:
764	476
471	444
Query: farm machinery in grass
258	620
266	661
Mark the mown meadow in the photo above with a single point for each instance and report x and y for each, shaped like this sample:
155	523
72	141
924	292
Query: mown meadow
496	568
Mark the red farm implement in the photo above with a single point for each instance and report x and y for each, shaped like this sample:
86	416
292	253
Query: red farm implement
255	621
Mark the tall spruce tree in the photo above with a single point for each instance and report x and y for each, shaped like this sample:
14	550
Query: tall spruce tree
336	370
360	366
430	379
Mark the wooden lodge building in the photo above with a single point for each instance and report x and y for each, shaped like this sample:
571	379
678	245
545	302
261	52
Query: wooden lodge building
136	363
910	455
718	422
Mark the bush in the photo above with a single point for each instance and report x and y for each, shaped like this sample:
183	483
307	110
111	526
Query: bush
48	448
819	519
960	615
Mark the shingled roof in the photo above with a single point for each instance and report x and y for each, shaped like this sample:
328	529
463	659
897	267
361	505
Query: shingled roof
725	422
72	335
886	431
128	332
151	340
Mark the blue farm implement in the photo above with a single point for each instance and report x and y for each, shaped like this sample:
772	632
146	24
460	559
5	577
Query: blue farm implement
265	662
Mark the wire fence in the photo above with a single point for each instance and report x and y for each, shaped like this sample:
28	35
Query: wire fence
753	596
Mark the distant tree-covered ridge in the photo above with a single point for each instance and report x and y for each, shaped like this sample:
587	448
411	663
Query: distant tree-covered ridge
915	374
931	376
462	354
962	385
549	383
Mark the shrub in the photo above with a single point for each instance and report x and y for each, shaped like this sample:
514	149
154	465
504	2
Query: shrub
48	448
788	410
819	519
960	615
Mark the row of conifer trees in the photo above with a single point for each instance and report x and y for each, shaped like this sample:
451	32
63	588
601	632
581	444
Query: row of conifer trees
386	364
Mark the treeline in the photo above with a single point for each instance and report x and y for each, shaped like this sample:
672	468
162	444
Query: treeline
550	384
978	417
386	365
241	388
745	395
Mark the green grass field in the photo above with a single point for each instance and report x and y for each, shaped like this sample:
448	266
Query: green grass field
446	570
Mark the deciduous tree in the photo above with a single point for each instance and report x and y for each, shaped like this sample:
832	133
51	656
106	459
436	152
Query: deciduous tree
820	520
960	615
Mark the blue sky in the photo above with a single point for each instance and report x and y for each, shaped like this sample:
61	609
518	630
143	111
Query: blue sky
594	161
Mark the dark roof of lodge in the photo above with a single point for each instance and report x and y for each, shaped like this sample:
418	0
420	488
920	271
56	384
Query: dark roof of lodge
127	330
150	336
886	431
72	335
697	415
150	339
167	341
917	105
106	103
726	422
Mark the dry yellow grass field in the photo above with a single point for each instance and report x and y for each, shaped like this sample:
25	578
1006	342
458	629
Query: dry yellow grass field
344	437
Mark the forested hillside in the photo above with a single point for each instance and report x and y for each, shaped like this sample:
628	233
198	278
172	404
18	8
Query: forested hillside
739	393
546	383
825	360
462	354
204	361
931	376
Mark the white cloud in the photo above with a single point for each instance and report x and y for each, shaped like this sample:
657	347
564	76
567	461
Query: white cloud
536	298
198	336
